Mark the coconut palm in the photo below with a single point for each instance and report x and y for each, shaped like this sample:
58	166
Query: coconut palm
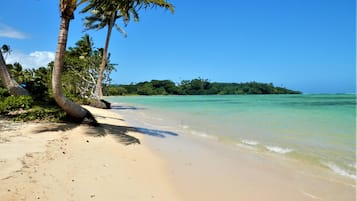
104	13
10	84
83	48
78	113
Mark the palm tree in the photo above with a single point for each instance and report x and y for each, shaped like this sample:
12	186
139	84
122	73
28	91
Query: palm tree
104	13
14	88
78	113
83	48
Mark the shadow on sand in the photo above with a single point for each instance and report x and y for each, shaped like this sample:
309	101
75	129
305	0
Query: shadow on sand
119	107
56	127
104	117
120	133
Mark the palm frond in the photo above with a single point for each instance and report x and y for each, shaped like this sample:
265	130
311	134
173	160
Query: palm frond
121	30
101	11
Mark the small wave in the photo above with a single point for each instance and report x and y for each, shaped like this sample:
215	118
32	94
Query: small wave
185	127
157	118
353	165
246	146
338	170
279	150
250	142
202	134
310	195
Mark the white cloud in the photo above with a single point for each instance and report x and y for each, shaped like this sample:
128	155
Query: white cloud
33	60
10	32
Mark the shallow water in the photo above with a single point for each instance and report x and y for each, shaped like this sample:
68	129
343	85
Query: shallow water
319	130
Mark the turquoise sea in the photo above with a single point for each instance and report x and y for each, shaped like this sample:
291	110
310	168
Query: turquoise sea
317	130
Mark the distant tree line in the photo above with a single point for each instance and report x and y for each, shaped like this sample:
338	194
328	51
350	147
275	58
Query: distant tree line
194	87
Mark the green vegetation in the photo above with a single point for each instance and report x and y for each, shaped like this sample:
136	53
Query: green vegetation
81	67
4	93
12	103
194	87
24	108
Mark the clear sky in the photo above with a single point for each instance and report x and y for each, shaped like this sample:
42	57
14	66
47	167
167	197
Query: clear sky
306	45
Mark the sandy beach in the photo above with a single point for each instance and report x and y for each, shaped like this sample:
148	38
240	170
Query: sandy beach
48	161
208	171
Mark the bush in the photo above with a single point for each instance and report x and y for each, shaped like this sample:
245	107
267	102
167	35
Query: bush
37	89
13	103
54	114
81	101
4	93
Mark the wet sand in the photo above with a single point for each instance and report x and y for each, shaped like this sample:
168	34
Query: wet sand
208	170
46	161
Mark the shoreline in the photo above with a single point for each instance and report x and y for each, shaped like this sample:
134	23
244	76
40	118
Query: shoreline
303	129
48	161
216	171
207	169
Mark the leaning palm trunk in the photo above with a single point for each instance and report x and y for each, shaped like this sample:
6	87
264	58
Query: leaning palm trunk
74	110
99	88
14	88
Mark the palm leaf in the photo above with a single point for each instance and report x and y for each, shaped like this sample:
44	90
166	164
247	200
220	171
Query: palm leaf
121	30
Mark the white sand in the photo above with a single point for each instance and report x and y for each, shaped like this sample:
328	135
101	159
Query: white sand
46	161
64	162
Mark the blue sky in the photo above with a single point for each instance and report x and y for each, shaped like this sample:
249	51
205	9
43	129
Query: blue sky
306	45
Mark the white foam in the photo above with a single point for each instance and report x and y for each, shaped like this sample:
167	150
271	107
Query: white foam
353	165
279	150
185	126
339	170
250	142
202	134
311	195
245	146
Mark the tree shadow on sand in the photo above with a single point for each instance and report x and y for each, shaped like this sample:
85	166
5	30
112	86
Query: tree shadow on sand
105	117
119	107
120	133
56	127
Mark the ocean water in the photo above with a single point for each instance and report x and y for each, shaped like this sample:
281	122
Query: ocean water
318	130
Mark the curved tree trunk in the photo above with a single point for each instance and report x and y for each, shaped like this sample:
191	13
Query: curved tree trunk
99	88
10	84
74	110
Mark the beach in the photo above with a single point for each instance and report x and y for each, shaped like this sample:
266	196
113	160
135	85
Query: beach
48	161
207	170
124	161
261	147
